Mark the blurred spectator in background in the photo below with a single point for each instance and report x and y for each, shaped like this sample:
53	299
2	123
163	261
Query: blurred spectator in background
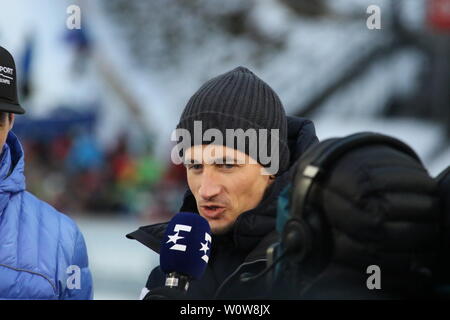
73	172
42	252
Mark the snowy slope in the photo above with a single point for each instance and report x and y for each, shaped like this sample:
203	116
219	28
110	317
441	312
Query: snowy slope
119	266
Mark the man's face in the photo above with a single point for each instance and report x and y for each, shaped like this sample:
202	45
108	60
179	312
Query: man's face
6	123
224	184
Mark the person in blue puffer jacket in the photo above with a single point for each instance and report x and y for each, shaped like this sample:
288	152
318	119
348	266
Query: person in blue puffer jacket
42	252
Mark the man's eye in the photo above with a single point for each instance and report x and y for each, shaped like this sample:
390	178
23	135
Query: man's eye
195	166
226	165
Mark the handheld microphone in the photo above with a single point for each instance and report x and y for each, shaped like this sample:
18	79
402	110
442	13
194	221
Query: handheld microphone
185	250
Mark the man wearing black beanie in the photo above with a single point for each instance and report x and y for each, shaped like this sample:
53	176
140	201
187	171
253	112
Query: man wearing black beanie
239	148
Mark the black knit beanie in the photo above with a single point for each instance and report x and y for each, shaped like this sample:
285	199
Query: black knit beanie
238	99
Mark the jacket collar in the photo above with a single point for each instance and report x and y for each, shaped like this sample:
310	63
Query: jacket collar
12	179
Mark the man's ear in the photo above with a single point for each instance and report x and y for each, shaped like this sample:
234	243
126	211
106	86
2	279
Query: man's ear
11	118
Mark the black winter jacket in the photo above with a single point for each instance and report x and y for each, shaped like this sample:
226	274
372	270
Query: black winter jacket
243	249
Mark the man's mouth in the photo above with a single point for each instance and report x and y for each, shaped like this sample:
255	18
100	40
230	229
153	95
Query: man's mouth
212	211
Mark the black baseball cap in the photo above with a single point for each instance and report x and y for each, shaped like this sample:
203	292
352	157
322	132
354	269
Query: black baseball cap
9	101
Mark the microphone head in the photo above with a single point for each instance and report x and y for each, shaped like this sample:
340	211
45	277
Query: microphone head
186	245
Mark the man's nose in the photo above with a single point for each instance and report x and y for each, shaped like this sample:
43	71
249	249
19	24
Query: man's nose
209	186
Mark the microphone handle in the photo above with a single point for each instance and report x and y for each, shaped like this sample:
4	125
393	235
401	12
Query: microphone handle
178	281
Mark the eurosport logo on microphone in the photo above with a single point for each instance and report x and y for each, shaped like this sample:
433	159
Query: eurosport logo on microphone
175	237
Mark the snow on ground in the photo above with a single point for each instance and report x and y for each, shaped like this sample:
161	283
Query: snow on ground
119	266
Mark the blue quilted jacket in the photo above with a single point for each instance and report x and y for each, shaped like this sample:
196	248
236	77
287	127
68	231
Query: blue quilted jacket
42	252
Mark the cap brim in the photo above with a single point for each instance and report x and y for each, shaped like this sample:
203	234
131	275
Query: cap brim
9	107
